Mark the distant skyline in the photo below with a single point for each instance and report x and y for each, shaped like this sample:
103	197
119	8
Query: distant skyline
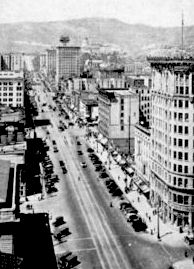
162	13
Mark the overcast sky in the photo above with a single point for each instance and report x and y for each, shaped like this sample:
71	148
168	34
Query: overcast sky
151	12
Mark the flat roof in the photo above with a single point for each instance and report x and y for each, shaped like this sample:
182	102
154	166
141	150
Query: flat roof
4	179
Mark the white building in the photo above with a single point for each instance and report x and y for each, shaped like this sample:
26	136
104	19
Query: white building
12	88
172	143
118	113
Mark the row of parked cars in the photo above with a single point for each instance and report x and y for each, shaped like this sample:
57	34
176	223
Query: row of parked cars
60	230
130	213
49	176
132	216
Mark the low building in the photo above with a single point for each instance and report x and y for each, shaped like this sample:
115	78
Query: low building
118	113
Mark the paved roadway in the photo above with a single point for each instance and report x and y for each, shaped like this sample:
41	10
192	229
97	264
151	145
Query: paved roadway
100	236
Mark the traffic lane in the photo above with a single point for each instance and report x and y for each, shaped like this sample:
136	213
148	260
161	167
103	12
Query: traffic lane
80	241
140	252
109	253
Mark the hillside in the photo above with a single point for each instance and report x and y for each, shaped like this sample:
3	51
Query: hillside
31	37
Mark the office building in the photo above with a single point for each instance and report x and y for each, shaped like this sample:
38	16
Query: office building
67	62
118	113
12	88
172	142
51	62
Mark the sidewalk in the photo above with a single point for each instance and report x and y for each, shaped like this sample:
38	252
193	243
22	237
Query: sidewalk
168	233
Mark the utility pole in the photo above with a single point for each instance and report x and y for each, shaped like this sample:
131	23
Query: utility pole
182	33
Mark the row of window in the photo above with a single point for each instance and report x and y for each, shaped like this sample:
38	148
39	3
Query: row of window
9	83
10	94
10	99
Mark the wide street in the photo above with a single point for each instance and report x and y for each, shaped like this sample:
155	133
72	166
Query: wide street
100	236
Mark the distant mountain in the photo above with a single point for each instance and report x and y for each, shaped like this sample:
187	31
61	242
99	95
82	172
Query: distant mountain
135	39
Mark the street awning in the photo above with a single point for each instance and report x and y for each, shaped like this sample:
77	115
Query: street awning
129	170
104	141
122	161
99	137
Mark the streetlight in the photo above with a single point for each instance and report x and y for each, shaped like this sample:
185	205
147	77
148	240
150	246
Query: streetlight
97	144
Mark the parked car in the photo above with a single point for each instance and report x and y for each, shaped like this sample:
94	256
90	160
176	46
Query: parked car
131	217
83	164
79	152
138	225
79	143
55	149
90	150
59	221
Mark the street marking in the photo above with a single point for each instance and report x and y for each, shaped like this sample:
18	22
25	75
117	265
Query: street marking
77	239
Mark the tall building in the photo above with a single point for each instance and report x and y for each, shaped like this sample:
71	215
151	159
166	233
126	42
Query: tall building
118	113
67	62
12	88
51	62
17	62
172	138
6	61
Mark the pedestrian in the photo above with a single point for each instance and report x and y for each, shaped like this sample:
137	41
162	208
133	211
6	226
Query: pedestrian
111	204
118	177
150	219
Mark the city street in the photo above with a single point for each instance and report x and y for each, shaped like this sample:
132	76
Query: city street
100	236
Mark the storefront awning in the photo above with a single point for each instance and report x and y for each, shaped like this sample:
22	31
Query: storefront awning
104	141
129	170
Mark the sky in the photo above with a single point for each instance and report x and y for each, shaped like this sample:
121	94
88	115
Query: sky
162	13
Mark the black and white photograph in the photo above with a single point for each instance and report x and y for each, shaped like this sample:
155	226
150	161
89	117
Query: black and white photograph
96	134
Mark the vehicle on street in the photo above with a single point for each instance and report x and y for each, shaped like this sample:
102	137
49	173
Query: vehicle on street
78	143
131	217
90	150
79	152
189	239
55	149
53	141
59	221
83	164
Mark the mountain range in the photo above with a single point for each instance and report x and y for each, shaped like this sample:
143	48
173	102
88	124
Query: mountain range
134	39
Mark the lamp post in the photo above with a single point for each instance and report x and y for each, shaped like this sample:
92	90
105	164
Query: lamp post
97	145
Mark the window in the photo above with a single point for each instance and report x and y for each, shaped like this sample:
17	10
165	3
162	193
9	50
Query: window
180	142
186	156
186	183
10	93
175	128
180	168
175	103
186	117
175	116
10	83
180	103
181	90
186	90
174	167
186	130
122	100
10	99
174	141
4	94
180	116
186	104
180	129
186	143
186	200
122	114
179	181
122	127
174	181
180	155
186	169
174	153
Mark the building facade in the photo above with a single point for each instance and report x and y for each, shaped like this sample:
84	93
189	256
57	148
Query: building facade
67	62
51	62
12	88
118	113
172	143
